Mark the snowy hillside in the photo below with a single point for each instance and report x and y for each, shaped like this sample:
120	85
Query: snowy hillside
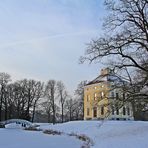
16	138
114	134
110	134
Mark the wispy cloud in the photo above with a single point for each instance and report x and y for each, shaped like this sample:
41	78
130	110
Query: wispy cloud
44	38
58	36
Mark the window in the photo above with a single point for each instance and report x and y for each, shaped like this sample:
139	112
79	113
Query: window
128	111
102	86
117	96
112	94
87	111
88	98
124	111
117	110
127	95
95	96
95	112
102	94
123	96
102	110
113	110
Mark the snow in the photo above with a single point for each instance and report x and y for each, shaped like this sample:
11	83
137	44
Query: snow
114	134
107	134
15	138
13	126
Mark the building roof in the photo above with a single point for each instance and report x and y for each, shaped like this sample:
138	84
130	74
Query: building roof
107	76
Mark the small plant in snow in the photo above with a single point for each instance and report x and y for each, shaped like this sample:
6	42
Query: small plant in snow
87	141
32	128
52	132
2	125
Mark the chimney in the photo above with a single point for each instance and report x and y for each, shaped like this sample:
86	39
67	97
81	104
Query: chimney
105	71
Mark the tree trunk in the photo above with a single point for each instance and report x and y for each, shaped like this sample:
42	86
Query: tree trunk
1	100
33	113
133	108
6	111
62	112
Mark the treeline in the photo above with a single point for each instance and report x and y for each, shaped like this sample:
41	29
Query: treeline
26	99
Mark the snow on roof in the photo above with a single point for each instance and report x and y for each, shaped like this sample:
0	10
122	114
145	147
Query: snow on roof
110	77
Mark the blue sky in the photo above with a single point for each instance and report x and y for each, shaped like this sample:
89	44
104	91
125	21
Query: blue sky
43	39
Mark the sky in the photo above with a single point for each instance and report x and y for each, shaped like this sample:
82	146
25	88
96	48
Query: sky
44	39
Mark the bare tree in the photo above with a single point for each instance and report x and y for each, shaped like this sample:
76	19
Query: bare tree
4	79
79	92
128	44
19	96
33	92
38	94
50	90
70	106
62	94
47	107
125	44
22	97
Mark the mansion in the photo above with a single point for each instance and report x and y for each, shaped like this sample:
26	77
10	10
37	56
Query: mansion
104	101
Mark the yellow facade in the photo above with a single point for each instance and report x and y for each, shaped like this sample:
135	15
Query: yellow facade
97	99
96	96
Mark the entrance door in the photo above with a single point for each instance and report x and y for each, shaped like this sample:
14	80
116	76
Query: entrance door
95	112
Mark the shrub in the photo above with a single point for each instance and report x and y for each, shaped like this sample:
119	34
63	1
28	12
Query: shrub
2	125
52	132
32	128
87	141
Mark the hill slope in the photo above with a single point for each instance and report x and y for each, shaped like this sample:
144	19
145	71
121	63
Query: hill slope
114	134
107	134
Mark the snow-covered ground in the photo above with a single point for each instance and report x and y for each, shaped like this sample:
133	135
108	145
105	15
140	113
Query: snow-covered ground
16	138
110	134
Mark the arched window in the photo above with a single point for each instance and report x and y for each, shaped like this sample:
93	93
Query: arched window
117	110
88	98
117	96
87	111
113	110
124	111
128	111
112	95
102	110
102	94
95	96
95	112
123	96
